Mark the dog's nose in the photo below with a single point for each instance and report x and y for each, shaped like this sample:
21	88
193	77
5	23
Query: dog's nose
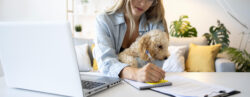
165	58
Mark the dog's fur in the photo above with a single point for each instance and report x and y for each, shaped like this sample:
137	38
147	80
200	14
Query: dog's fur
155	41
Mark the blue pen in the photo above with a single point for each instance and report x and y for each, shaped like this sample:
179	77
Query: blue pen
151	60
149	56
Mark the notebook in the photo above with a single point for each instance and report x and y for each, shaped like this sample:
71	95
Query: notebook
142	86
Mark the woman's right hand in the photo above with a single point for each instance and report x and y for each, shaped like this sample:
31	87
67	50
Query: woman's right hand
149	73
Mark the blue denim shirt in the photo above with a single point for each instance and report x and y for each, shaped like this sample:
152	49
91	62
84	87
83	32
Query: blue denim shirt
110	32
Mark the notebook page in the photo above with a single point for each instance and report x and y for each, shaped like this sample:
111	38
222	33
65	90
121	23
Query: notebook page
187	87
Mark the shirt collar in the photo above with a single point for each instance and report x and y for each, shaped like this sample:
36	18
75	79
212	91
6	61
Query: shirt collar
119	19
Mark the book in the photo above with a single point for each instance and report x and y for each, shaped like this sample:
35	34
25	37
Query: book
142	86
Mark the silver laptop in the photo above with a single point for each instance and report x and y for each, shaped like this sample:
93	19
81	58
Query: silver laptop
40	56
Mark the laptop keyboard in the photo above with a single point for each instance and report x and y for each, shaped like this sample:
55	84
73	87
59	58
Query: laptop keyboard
90	84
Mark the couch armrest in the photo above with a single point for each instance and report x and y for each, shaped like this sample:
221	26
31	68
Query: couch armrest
224	65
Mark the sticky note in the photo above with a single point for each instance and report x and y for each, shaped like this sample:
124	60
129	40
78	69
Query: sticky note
161	81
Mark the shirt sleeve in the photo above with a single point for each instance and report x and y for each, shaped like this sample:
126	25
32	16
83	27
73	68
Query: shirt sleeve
104	51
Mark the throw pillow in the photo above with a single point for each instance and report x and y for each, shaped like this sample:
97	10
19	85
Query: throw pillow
201	58
95	66
176	60
83	60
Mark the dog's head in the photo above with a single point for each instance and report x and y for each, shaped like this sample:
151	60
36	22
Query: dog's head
156	42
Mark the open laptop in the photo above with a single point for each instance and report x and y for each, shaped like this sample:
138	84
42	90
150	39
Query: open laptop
40	56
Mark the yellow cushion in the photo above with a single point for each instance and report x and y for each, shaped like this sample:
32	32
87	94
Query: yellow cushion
201	58
95	66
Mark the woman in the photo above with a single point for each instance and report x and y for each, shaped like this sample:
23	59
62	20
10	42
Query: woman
118	28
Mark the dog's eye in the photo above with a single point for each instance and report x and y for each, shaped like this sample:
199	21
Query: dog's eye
160	46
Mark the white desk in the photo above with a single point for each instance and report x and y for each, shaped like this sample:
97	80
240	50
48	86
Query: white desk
238	81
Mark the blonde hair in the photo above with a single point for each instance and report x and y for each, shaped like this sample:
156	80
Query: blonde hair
155	13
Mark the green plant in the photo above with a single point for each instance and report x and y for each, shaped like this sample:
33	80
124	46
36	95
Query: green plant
240	58
218	34
85	1
78	28
182	28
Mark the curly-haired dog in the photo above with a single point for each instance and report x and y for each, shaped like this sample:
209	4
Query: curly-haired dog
155	42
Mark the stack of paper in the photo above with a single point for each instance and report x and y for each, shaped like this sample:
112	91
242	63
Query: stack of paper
190	88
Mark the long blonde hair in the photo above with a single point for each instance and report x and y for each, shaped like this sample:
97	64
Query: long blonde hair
155	13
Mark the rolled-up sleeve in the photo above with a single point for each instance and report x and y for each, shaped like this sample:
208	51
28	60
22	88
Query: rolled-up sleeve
104	51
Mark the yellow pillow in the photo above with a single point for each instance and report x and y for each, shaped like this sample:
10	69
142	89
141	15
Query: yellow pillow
201	58
95	66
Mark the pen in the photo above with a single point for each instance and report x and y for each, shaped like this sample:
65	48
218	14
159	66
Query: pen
149	56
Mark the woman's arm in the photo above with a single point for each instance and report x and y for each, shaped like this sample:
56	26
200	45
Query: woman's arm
104	50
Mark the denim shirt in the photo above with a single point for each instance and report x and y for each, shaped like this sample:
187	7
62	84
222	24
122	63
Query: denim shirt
110	32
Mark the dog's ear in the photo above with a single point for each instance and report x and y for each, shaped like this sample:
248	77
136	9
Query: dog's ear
143	45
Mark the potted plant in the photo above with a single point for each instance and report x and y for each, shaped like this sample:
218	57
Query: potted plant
220	34
182	28
78	28
240	58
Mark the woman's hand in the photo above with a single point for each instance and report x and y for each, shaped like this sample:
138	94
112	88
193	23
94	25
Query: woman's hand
148	73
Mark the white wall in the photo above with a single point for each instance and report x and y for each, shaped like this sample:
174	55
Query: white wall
204	13
32	10
86	13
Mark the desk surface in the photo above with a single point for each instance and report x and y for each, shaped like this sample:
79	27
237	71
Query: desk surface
238	81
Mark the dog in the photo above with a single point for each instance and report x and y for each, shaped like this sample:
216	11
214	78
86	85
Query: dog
155	42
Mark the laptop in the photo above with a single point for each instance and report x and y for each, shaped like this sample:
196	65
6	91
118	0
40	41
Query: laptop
40	56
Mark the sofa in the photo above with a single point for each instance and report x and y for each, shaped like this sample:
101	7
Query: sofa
222	64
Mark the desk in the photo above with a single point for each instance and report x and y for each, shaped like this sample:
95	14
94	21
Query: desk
238	81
